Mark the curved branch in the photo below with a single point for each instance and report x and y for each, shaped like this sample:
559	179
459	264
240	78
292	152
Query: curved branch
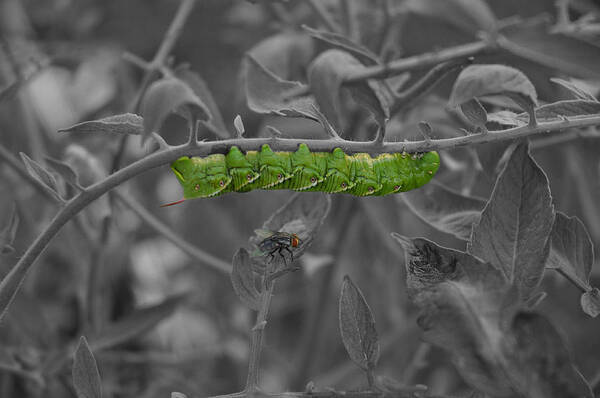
11	283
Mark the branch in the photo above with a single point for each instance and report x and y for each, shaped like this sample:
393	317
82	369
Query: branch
164	230
323	15
11	283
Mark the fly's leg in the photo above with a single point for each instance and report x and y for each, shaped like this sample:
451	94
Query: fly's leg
291	253
281	254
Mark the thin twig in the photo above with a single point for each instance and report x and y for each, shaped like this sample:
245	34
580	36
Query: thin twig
164	230
323	15
16	275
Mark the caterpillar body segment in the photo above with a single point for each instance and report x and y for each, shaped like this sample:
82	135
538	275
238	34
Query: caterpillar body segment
302	170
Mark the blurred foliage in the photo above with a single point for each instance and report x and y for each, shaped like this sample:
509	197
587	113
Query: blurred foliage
164	322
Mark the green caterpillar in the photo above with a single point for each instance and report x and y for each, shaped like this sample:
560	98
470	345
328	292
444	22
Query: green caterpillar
303	170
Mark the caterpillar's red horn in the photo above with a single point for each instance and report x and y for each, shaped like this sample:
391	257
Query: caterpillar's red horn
173	203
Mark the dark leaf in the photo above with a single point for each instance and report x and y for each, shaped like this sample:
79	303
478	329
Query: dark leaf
64	170
357	326
462	303
8	233
326	75
344	43
576	91
468	15
127	123
541	364
514	229
242	279
166	96
43	176
481	80
532	40
571	251
474	112
86	377
590	302
135	324
267	93
445	209
199	87
303	215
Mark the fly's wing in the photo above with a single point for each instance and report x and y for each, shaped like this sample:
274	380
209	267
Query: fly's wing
263	233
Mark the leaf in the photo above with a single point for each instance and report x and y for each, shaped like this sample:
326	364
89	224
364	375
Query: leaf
166	96
576	91
199	87
514	229
135	324
239	126
474	112
571	251
284	54
541	363
64	170
86	377
43	176
303	215
506	118
127	123
462	302
8	233
267	93
590	302
242	279
468	15
532	39
344	43
567	108
357	326
481	80
444	209
178	395
326	75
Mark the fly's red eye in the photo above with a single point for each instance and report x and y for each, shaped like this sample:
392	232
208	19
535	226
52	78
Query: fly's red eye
221	183
313	179
196	187
249	177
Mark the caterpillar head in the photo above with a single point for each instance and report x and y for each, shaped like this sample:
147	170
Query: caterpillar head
202	177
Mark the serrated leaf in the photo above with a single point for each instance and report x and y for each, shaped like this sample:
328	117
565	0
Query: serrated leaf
590	302
8	233
575	90
541	365
469	15
303	215
267	93
481	80
167	96
86	377
571	251
42	175
534	40
474	112
444	209
357	326
514	229
342	42
462	302
135	324
127	123
64	170
199	87
242	279
326	75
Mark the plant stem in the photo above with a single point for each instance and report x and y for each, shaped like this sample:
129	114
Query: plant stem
11	283
323	15
256	342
